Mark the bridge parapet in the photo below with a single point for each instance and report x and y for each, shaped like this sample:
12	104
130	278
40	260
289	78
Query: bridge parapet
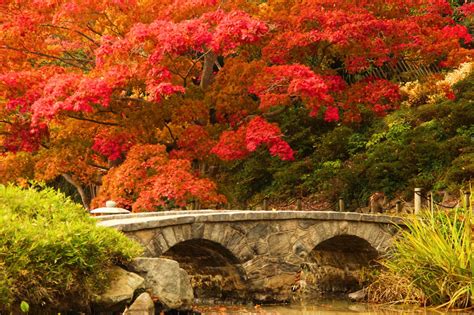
150	220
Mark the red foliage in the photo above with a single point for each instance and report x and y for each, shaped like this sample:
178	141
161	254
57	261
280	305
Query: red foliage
234	145
231	145
281	83
71	92
194	143
113	146
467	9
148	181
136	66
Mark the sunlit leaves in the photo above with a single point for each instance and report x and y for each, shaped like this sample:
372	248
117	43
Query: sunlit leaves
148	180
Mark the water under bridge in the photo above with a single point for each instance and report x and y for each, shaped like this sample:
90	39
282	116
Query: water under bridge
263	255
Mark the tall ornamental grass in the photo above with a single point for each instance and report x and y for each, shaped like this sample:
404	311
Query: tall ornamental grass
434	257
52	253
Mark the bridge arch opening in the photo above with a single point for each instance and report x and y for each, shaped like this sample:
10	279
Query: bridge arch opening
214	271
340	264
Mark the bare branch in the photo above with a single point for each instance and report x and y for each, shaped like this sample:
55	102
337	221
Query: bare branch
106	123
26	51
97	166
76	31
170	132
85	199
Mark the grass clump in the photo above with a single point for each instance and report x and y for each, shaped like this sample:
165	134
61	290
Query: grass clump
52	253
433	259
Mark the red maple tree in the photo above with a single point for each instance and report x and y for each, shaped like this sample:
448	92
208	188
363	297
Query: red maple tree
141	92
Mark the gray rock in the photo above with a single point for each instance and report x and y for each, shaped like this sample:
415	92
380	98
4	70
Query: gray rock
358	296
143	305
121	289
166	281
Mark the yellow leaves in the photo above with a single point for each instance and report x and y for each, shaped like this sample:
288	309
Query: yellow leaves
459	74
434	88
16	168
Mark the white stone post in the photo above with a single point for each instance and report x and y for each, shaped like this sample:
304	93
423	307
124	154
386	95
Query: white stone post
417	200
341	204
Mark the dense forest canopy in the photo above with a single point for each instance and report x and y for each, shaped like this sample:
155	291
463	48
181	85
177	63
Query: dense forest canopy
156	104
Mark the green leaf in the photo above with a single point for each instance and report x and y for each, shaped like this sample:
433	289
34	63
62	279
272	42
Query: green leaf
24	306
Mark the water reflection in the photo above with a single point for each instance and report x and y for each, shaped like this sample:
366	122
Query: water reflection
323	308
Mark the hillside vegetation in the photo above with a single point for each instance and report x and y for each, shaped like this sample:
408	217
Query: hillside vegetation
428	143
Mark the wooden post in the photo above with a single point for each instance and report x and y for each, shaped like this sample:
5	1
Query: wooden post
265	204
299	205
431	202
467	200
398	206
417	200
341	204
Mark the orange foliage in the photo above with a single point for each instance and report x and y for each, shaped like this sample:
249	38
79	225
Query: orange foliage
148	180
96	87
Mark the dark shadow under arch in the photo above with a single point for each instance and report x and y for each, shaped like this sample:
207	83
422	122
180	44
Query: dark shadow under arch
215	272
338	264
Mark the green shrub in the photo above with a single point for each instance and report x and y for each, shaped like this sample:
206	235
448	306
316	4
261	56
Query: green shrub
435	255
51	250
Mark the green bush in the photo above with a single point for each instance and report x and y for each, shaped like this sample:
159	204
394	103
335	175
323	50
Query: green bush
51	250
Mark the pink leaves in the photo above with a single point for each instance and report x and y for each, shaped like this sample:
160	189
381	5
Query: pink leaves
234	145
71	92
233	30
222	32
156	91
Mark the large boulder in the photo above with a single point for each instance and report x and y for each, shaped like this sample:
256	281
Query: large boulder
166	281
143	305
121	290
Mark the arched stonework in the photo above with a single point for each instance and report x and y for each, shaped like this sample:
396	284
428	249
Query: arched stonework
213	270
270	247
377	235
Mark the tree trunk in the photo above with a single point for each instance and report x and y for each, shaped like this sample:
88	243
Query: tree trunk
208	70
86	200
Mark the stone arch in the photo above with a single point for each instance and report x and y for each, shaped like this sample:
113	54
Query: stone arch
336	252
375	234
219	233
215	272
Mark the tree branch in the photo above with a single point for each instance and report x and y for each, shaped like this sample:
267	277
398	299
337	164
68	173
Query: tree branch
170	132
76	31
106	123
98	166
26	51
85	199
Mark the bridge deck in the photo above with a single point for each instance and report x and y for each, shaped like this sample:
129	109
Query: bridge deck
150	220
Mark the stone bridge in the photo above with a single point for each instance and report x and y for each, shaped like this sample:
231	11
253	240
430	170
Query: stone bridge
263	255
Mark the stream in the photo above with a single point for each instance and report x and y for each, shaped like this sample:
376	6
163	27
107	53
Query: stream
330	307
